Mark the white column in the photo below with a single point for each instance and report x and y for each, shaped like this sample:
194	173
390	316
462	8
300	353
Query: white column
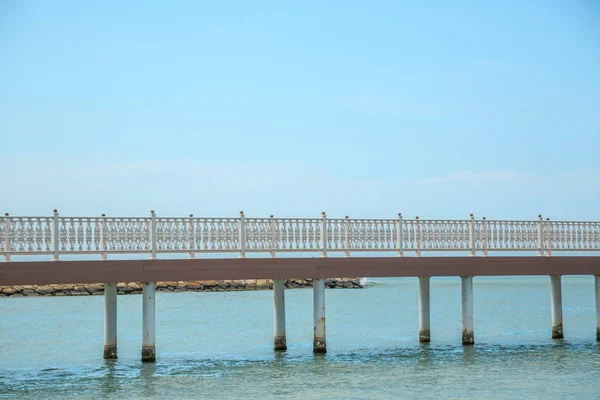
110	320
55	236
149	304
148	338
279	313
468	336
540	231
548	235
323	234
152	235
346	238
557	325
472	235
6	237
424	318
102	243
319	343
273	233
597	284
192	233
242	234
400	236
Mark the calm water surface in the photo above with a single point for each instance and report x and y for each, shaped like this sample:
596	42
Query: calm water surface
219	345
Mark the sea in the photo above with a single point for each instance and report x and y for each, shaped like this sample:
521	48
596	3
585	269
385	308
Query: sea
218	345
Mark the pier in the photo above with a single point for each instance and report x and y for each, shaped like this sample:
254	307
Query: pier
481	247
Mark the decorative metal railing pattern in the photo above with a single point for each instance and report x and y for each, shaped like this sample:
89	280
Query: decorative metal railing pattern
261	234
216	234
103	235
27	235
78	235
298	234
436	235
507	235
127	235
569	235
372	234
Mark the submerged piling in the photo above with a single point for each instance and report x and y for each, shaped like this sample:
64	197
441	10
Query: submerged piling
597	285
279	314
110	320
424	315
148	338
319	343
557	320
468	336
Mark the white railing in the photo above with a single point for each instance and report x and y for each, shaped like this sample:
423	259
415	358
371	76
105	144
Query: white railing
56	235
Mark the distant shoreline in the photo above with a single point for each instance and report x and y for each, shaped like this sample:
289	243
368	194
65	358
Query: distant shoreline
171	286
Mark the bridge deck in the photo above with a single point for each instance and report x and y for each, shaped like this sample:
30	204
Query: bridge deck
68	272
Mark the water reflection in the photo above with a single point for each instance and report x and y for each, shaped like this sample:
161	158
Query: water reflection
147	373
425	355
109	382
469	353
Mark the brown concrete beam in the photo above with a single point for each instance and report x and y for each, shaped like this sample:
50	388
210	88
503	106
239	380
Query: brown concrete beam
64	272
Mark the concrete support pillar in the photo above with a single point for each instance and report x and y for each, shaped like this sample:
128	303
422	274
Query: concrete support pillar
110	320
424	319
557	325
279	313
148	338
597	284
468	336
319	343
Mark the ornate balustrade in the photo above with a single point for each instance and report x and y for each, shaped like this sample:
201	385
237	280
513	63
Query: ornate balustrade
56	235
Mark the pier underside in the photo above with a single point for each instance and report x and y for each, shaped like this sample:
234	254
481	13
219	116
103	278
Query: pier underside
66	272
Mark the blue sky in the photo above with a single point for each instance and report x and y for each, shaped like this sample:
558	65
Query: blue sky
291	108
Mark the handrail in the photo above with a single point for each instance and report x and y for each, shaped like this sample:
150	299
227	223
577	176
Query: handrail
59	235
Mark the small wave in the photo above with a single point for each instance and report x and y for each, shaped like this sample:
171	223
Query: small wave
369	282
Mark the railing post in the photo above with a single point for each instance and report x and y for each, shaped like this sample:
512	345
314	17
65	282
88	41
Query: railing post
103	237
152	235
417	240
192	234
6	238
272	232
548	238
486	238
471	235
242	226
55	236
346	238
540	229
400	236
323	234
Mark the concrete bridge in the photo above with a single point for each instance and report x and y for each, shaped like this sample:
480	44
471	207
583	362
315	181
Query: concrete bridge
482	248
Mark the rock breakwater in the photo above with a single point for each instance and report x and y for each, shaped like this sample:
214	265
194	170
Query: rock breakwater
171	286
